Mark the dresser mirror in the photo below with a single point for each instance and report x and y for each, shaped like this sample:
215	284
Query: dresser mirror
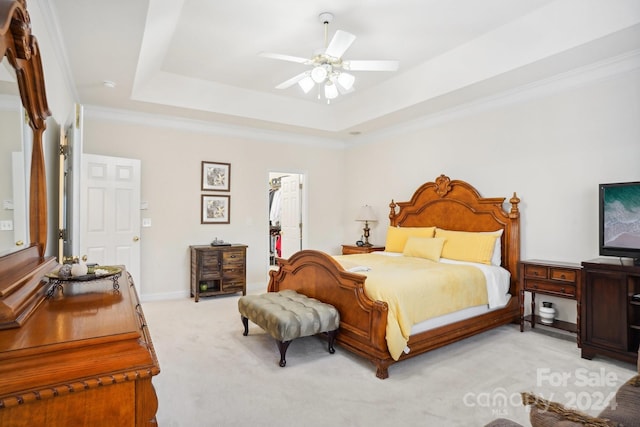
22	287
14	165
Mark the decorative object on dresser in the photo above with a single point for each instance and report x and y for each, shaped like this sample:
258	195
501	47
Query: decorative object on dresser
449	204
559	279
355	249
366	215
610	314
217	270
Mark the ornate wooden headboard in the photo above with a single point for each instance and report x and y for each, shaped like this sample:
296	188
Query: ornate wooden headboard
457	205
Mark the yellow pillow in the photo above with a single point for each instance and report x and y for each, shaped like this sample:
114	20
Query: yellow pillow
467	246
424	247
397	236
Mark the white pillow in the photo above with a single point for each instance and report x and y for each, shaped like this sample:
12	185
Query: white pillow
496	257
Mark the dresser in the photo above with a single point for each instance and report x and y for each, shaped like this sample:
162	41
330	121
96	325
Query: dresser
218	270
559	279
83	358
611	309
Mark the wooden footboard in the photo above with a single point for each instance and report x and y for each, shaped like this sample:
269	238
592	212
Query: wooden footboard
363	322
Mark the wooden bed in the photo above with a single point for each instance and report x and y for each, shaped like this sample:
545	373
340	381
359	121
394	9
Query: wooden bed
445	203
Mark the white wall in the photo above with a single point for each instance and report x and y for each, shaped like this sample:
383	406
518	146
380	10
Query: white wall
551	148
171	161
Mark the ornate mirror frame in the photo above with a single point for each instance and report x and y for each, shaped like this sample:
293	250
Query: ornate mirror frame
21	286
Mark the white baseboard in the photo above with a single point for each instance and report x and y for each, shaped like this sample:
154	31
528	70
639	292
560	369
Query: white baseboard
251	288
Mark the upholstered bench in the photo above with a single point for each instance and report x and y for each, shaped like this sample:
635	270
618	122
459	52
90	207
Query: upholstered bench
287	315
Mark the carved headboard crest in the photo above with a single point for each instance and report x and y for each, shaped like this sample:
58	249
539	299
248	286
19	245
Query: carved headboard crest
443	185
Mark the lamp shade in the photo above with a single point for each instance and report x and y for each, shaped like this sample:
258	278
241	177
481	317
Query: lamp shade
346	80
366	214
306	84
330	90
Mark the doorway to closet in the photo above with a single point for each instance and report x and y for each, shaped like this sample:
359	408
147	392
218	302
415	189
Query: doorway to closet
285	214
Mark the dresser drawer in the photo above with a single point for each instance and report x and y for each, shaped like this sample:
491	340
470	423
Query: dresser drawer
231	271
566	290
233	257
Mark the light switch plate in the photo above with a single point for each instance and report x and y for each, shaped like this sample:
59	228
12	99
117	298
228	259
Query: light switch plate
146	222
6	225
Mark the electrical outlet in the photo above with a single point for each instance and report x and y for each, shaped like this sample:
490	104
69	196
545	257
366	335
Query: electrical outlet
146	222
6	225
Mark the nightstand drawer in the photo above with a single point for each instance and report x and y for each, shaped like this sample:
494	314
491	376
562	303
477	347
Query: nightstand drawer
562	274
535	271
566	290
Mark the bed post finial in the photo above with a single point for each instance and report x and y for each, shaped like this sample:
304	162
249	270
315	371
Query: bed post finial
514	213
392	212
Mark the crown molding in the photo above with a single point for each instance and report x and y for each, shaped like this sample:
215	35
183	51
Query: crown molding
582	76
214	128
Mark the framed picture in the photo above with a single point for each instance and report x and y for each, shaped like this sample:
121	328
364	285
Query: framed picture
216	176
215	209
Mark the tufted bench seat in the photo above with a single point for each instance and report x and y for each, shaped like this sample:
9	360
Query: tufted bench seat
287	315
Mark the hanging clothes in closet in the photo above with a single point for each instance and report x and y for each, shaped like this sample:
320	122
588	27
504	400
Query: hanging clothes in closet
275	209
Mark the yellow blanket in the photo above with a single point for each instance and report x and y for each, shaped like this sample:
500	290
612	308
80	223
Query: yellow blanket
416	289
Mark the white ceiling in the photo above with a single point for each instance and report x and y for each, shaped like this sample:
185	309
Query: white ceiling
199	58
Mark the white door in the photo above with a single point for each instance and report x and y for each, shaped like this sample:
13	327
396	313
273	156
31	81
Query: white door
69	191
110	212
290	220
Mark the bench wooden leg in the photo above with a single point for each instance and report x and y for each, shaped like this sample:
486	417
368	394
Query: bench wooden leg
332	339
245	322
283	346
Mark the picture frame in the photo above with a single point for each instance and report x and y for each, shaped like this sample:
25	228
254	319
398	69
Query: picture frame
215	209
215	176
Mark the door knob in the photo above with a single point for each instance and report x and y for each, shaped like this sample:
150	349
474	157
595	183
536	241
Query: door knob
136	238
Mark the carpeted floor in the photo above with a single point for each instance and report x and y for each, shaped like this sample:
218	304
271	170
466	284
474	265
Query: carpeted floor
212	375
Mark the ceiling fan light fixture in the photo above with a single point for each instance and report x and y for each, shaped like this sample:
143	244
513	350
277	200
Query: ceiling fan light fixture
319	74
306	84
346	80
330	90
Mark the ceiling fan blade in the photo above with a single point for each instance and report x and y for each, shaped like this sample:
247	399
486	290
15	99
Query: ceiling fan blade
292	81
339	44
370	65
284	57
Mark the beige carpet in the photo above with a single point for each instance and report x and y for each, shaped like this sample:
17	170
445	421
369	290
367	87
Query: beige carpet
212	375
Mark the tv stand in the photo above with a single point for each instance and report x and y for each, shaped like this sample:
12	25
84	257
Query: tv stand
610	313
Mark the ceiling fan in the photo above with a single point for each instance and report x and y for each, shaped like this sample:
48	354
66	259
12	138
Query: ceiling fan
328	68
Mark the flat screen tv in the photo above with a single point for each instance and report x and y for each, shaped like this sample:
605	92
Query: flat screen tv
620	220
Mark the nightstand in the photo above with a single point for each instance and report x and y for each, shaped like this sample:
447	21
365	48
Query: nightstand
353	249
557	279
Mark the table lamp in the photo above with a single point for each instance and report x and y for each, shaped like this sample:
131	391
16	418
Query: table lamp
366	214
